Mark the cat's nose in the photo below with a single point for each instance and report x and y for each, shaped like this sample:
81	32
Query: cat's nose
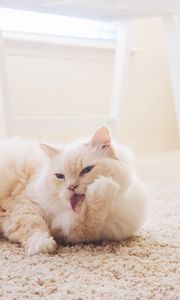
72	187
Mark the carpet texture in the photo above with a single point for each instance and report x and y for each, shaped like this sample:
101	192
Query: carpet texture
144	267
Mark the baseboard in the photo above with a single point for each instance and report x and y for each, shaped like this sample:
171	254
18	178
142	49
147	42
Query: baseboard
152	146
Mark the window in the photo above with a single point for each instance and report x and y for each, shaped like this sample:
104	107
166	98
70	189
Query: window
46	24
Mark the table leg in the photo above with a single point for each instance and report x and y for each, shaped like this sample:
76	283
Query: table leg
3	92
120	68
172	38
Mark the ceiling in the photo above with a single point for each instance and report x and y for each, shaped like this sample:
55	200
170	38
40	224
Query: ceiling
108	10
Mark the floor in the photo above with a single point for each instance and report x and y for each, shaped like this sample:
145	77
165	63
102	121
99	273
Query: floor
145	267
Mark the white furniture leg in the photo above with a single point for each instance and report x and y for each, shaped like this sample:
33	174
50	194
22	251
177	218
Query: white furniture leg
3	92
120	67
172	36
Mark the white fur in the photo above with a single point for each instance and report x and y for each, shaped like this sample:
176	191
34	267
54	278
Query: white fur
114	205
119	205
40	243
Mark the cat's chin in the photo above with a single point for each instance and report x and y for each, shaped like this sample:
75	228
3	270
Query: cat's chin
76	200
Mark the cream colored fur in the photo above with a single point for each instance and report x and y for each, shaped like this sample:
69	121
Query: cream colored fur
36	205
114	205
21	219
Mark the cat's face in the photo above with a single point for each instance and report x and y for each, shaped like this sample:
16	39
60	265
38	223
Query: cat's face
73	169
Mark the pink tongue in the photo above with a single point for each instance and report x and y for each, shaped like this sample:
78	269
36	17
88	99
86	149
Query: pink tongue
74	200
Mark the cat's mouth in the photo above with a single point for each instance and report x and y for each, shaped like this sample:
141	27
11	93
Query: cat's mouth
75	199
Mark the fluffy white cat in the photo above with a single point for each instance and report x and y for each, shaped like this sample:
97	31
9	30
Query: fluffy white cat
90	191
81	192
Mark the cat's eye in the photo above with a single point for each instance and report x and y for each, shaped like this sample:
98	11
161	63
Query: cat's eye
86	170
59	175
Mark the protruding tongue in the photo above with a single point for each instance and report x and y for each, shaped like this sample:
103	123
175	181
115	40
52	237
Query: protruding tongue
75	199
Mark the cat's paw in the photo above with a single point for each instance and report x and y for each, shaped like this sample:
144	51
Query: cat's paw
103	187
40	243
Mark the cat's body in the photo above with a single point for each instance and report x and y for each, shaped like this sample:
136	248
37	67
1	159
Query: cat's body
83	192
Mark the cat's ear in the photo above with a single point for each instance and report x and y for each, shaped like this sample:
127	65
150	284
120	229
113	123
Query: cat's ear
101	138
48	150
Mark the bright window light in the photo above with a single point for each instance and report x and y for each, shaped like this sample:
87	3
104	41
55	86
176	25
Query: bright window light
41	23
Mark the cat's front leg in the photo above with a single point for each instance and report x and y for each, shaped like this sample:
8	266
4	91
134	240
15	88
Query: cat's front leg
102	192
40	242
100	195
90	221
23	223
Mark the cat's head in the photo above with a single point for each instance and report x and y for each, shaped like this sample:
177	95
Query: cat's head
74	167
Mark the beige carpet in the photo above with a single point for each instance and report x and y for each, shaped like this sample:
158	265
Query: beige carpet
145	267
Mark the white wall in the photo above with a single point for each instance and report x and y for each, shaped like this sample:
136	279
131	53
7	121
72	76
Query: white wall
56	80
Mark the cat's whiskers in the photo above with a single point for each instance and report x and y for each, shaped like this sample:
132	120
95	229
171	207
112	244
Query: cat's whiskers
55	197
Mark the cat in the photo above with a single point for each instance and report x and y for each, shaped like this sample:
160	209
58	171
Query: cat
75	193
90	191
